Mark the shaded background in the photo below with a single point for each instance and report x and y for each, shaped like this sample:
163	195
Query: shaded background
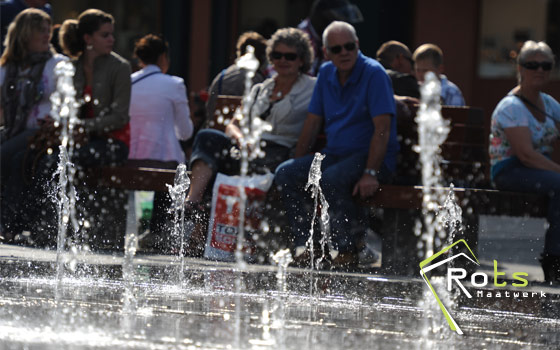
479	38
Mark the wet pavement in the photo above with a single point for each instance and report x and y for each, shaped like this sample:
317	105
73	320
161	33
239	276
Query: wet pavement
221	307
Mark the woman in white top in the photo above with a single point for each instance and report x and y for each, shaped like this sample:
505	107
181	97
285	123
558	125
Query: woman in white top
159	119
27	80
281	101
159	110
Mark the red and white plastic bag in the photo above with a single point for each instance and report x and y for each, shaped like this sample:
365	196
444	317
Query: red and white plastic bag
224	218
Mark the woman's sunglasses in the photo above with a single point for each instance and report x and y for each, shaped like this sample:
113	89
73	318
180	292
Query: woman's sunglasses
338	48
289	56
534	65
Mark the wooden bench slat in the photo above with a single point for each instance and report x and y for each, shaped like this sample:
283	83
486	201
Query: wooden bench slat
132	178
483	201
225	109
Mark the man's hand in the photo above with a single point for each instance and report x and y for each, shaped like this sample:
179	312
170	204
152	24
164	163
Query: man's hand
366	186
408	100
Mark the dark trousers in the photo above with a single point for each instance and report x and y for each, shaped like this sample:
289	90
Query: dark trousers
519	178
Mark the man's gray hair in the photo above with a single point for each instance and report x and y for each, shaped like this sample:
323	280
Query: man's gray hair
338	26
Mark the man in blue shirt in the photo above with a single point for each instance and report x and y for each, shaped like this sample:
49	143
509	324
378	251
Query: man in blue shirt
353	97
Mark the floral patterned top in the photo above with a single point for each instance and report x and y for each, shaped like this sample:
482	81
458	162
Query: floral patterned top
512	112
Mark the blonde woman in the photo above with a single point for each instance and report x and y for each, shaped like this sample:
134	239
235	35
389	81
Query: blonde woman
27	80
525	125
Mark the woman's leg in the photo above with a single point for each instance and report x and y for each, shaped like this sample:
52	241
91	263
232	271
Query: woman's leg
14	189
201	174
523	179
520	178
211	153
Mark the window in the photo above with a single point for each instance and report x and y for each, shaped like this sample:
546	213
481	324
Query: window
507	24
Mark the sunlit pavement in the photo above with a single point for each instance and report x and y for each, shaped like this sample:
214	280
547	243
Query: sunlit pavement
218	306
515	242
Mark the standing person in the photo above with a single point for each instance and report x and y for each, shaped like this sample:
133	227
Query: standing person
525	125
9	9
321	14
159	119
27	80
429	58
281	101
354	99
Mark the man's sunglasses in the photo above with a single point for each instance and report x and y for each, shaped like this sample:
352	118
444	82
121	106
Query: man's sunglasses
534	65
289	56
338	48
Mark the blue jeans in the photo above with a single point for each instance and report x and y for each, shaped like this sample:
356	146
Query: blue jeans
213	148
339	175
519	178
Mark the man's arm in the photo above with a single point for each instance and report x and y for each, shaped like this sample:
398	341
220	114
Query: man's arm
308	134
368	185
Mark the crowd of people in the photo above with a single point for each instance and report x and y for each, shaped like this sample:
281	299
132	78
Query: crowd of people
310	80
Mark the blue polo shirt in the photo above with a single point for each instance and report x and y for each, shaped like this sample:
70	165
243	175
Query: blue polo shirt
348	110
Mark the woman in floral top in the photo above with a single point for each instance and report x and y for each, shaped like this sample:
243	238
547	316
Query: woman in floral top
525	125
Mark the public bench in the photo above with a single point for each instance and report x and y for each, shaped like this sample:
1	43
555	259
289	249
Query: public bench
110	185
465	164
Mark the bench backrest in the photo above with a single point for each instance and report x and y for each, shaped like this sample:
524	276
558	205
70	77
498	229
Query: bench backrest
464	152
225	108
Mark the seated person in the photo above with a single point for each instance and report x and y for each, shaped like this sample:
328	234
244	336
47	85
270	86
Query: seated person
397	61
102	83
27	66
525	125
159	119
281	101
231	81
429	58
354	99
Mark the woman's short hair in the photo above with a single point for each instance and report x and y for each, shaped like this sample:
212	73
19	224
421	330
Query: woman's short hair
257	41
295	38
531	48
72	32
149	48
19	34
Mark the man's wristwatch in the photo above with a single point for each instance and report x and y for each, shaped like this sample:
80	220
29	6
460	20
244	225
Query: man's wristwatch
371	172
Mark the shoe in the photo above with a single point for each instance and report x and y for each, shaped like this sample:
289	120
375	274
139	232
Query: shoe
551	268
345	262
7	237
367	258
198	214
151	244
301	257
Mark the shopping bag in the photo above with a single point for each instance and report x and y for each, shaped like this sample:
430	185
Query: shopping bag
224	221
